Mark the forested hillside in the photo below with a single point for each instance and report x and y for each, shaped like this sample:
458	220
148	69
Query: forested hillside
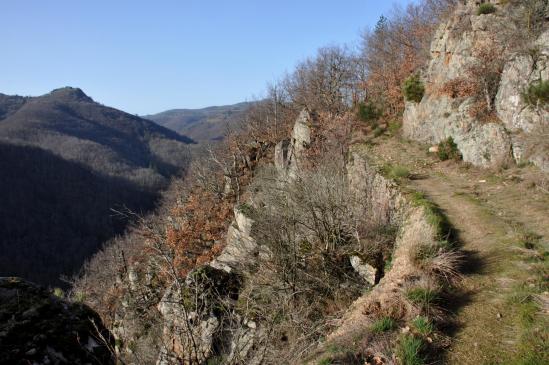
207	124
71	125
68	166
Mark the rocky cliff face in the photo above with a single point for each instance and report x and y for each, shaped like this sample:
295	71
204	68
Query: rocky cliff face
195	330
230	310
289	152
471	49
38	328
521	120
204	315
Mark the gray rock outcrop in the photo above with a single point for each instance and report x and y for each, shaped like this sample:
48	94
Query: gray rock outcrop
241	247
523	121
288	153
365	270
454	52
192	316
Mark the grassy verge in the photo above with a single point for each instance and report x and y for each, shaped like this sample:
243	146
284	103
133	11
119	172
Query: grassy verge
435	216
530	300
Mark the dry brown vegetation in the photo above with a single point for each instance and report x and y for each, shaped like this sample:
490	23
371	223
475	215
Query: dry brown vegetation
395	49
310	228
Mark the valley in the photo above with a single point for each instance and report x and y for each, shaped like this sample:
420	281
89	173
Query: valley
72	171
385	202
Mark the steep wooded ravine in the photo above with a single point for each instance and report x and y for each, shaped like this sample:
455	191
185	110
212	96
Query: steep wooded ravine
71	169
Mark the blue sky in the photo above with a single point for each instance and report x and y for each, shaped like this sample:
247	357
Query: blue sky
149	56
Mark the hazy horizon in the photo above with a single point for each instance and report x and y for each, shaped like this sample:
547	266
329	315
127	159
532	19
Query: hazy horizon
148	58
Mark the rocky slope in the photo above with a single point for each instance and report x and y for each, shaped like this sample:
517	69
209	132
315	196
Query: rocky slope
39	328
356	265
216	313
484	61
210	326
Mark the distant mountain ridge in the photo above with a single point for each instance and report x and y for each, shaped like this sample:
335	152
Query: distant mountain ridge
206	124
66	163
70	124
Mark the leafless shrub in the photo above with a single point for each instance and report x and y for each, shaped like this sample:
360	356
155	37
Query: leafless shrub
323	83
459	88
396	48
529	18
310	228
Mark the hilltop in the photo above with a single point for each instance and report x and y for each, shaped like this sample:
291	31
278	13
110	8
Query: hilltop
68	164
71	125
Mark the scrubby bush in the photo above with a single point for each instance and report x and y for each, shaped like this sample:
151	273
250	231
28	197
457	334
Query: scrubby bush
448	150
378	131
58	292
459	87
537	93
394	127
368	112
413	88
438	260
246	209
325	361
486	8
398	172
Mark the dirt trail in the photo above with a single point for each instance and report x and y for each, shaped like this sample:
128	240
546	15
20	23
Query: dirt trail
490	212
483	322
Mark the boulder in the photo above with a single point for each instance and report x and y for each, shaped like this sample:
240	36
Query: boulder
365	270
485	145
39	328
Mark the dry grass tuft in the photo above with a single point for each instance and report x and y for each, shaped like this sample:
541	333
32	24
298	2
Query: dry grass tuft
435	259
